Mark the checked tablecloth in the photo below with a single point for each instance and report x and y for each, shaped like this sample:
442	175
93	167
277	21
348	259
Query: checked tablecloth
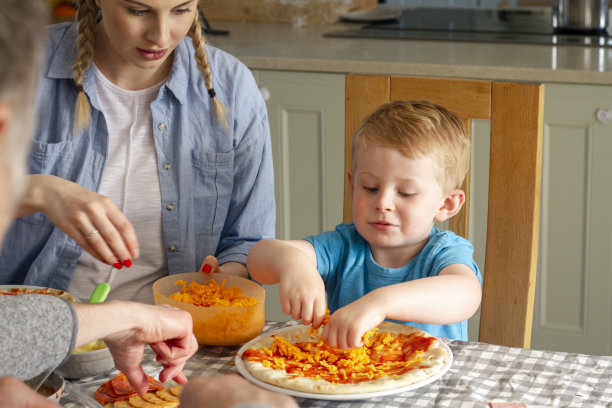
480	373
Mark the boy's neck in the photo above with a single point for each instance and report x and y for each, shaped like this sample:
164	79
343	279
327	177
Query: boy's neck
396	257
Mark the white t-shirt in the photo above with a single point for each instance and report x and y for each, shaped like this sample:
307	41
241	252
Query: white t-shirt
131	180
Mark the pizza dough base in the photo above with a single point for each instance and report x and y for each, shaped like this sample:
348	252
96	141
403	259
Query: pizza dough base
434	359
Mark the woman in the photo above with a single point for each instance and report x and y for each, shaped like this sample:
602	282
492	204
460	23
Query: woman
39	331
142	130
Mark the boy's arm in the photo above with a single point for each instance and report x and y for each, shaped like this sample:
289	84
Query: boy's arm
452	296
293	264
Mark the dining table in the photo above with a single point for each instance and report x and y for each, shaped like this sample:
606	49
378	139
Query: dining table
480	373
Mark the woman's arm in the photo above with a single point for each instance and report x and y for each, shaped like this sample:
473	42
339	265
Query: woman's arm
92	220
38	333
127	327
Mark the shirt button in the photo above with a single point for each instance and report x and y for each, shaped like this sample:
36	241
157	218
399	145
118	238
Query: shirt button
167	166
170	207
172	248
161	126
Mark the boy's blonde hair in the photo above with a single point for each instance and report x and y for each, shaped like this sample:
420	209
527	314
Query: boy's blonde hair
418	129
87	16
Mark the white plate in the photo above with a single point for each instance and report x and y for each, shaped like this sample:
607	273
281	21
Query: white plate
332	397
5	288
372	16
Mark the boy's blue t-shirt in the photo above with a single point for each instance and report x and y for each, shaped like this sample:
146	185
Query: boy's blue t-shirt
345	262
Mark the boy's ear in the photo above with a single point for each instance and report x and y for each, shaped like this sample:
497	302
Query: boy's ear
350	181
451	205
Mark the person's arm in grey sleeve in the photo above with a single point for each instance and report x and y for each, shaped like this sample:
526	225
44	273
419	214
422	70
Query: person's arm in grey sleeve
38	333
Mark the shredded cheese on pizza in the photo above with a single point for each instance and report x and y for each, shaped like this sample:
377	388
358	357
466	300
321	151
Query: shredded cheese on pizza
383	354
212	294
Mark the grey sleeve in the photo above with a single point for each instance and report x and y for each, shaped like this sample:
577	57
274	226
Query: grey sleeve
253	405
37	332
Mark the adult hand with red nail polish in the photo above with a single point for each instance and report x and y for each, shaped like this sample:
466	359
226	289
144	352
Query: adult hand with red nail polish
91	219
211	265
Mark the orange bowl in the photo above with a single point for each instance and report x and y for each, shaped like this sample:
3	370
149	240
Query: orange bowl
217	325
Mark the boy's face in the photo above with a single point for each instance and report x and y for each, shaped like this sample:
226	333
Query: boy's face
395	202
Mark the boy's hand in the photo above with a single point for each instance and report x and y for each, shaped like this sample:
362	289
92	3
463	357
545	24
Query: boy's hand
302	295
347	325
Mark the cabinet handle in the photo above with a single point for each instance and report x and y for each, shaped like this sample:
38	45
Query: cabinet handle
264	93
604	115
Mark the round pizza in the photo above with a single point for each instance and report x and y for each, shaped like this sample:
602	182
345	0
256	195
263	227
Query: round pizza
25	290
393	356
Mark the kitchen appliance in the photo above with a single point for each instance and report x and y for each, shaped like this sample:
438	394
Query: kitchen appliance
517	25
580	16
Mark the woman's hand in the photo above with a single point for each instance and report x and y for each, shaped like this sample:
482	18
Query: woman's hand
169	332
211	265
16	394
92	220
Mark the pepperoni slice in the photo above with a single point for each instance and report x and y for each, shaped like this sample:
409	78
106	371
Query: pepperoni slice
105	394
121	385
120	389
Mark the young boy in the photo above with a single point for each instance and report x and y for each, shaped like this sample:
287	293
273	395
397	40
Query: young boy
409	160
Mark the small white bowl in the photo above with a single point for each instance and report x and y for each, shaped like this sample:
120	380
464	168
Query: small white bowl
53	387
87	364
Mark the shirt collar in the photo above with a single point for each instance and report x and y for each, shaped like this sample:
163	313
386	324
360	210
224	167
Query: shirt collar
179	74
64	57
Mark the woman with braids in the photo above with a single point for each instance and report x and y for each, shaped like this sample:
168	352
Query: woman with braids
151	153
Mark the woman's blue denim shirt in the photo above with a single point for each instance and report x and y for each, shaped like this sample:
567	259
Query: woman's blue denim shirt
217	185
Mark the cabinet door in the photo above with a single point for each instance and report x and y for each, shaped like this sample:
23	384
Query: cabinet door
573	306
306	112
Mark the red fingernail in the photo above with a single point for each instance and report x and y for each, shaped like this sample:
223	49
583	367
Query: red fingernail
117	265
127	263
206	268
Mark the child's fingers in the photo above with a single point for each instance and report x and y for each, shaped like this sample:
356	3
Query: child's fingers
354	338
318	312
306	314
296	309
326	335
286	304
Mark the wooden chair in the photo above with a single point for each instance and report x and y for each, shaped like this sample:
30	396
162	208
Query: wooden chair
516	114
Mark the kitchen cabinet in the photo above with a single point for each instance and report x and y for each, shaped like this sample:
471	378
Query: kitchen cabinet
573	304
573	308
573	299
306	112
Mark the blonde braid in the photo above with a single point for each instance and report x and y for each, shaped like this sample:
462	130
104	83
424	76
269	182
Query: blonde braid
199	43
86	17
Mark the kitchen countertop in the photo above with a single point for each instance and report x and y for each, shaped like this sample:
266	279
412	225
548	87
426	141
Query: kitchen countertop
279	46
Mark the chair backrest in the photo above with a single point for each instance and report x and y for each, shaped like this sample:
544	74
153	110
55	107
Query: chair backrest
516	114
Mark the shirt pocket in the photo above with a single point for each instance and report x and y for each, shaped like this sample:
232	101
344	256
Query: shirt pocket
49	158
52	158
213	186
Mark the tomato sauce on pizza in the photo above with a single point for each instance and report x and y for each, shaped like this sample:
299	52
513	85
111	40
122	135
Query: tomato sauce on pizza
393	356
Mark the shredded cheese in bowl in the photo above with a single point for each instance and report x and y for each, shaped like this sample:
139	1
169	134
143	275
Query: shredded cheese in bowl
212	294
226	309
